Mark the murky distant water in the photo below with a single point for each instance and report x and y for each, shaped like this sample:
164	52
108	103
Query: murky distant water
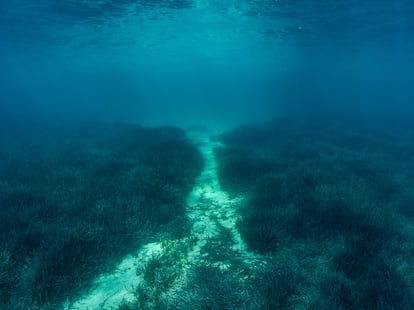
205	62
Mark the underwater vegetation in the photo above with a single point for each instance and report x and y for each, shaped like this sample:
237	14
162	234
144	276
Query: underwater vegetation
327	215
76	198
329	205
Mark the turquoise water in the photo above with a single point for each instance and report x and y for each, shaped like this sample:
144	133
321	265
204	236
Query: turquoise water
206	154
201	61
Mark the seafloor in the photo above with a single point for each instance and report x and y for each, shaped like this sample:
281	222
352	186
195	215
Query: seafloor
291	214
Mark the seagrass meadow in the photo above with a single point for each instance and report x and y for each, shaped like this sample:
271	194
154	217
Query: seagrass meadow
330	202
277	215
206	155
74	200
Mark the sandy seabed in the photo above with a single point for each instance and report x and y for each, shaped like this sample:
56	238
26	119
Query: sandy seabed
211	212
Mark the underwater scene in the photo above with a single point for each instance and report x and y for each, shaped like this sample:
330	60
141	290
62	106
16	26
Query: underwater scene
206	154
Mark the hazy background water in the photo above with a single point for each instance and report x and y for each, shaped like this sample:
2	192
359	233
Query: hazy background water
197	62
